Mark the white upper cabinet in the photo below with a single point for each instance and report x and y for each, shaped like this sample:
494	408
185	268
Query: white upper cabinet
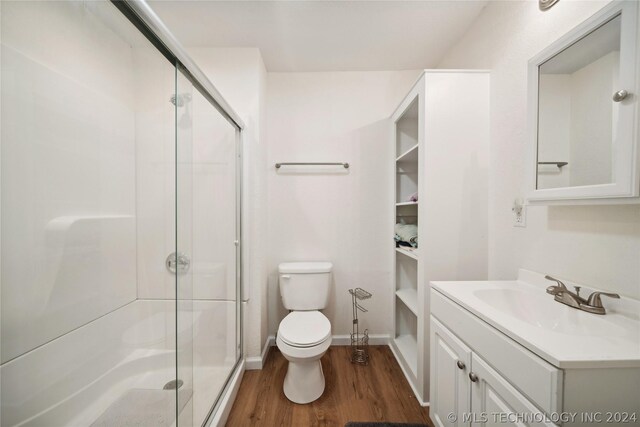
583	112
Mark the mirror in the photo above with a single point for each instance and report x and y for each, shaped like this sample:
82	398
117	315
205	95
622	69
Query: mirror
583	107
577	115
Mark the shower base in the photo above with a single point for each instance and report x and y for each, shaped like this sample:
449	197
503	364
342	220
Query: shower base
125	356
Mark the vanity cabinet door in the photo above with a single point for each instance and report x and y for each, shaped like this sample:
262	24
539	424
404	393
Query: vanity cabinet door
450	363
495	402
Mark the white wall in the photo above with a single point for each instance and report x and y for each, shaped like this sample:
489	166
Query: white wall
334	215
348	112
239	74
595	245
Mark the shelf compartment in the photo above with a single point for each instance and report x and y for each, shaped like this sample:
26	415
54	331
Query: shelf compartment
409	298
406	272
409	156
407	213
406	340
413	254
407	128
408	348
406	335
407	177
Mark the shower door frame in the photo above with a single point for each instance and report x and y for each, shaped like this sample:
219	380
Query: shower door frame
146	20
140	14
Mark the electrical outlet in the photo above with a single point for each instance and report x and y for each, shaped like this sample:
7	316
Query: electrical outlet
520	213
521	218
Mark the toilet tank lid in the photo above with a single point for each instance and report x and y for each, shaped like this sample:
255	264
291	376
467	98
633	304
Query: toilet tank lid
305	267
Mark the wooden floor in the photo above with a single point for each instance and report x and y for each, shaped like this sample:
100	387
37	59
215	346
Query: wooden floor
378	392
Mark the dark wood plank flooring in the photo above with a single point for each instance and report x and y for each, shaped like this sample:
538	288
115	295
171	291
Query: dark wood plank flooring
378	392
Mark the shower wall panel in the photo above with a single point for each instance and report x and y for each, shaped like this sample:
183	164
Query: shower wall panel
80	87
155	176
68	172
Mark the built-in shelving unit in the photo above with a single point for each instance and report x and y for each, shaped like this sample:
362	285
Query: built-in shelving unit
440	147
407	177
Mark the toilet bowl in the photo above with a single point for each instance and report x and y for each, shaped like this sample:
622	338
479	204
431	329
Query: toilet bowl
304	335
303	338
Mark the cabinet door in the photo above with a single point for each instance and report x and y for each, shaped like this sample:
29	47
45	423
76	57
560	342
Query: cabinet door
450	362
495	402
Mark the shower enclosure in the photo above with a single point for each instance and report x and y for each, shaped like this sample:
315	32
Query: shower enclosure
120	232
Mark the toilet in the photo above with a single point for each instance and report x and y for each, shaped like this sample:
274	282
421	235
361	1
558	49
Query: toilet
304	335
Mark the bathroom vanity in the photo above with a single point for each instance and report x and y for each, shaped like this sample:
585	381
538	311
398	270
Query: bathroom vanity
504	352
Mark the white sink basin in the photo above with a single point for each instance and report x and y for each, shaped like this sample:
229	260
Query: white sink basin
564	336
540	310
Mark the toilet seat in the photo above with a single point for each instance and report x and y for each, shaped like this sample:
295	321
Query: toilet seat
304	329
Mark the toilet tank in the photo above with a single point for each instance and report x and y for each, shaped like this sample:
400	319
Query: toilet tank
305	285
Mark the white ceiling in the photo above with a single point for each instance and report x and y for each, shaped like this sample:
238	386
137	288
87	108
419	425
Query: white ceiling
326	35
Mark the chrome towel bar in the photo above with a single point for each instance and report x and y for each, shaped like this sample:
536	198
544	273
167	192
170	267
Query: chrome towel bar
345	165
558	164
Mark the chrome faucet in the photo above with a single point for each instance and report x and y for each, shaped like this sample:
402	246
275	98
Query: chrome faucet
593	304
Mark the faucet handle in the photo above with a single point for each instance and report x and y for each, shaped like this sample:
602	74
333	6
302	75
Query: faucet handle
554	290
595	300
577	288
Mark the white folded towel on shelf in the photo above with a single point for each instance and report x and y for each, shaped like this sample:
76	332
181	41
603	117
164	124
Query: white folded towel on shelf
407	232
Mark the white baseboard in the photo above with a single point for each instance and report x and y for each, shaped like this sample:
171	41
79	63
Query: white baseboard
257	362
374	339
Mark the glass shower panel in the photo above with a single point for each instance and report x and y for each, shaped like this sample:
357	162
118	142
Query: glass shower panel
207	212
184	250
88	308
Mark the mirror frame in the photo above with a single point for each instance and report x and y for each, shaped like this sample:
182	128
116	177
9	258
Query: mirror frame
625	187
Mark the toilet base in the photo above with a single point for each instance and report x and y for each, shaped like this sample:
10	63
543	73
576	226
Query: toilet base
304	381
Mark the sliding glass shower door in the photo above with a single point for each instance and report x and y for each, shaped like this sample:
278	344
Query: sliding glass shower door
119	291
208	300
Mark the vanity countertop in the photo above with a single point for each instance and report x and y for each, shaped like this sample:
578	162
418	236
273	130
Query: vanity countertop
562	335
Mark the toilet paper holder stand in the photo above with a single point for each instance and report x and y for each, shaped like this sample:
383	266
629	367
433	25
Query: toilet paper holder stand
359	341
